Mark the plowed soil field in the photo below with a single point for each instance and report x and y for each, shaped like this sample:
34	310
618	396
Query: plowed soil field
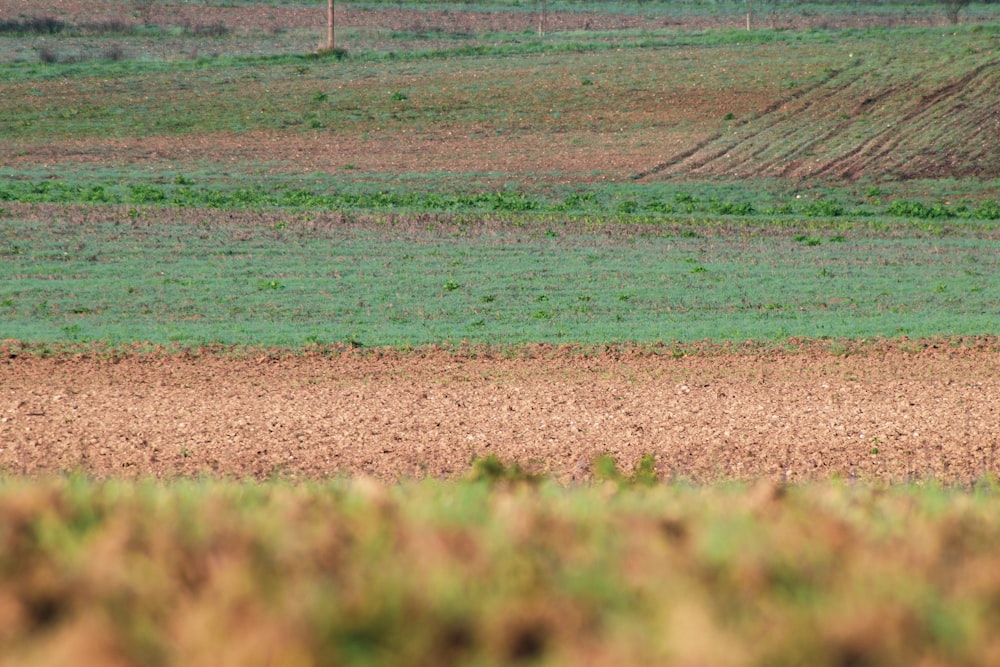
883	413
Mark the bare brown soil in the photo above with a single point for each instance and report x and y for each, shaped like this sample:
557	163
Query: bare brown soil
570	157
886	413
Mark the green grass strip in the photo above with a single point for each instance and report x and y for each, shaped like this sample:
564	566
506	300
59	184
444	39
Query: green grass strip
116	276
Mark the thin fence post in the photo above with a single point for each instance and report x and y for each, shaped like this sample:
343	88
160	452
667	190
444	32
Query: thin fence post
329	25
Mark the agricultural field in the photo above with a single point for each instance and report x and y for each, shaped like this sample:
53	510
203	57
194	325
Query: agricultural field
501	333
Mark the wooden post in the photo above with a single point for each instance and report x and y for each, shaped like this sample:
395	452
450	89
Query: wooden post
749	12
329	25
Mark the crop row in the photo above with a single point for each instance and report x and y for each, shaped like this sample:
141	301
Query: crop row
183	193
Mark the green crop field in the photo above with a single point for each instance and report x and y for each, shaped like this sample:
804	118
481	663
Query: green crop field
297	279
459	175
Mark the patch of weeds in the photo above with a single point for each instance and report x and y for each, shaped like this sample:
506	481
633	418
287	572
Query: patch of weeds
269	285
645	471
699	269
399	97
824	208
805	239
542	315
628	207
146	194
487	298
320	97
902	208
606	470
730	208
575	201
729	116
779	209
658	206
491	470
72	331
987	210
686	202
506	201
451	286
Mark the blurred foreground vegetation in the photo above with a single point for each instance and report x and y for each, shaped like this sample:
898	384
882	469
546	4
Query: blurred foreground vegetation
499	568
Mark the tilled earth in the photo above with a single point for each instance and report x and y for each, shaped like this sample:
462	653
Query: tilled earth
884	413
